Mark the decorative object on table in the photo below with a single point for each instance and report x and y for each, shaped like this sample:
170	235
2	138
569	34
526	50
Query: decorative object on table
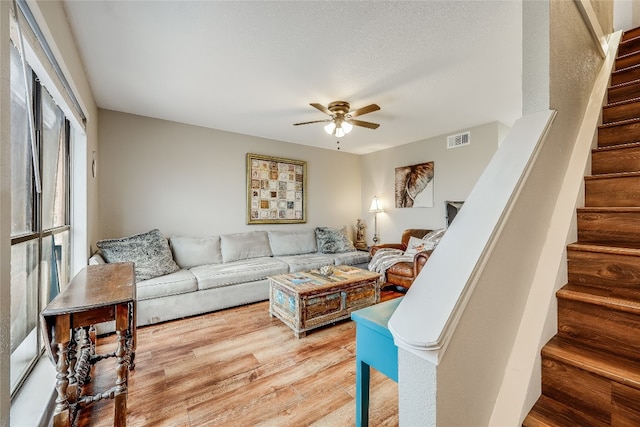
451	210
375	208
414	186
342	118
360	239
276	190
326	270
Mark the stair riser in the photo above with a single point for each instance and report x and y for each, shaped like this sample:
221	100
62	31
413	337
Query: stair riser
626	405
629	46
615	161
628	61
620	134
620	227
613	192
576	388
625	75
599	327
623	93
601	269
616	113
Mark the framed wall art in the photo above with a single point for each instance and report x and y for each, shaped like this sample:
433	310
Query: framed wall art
276	190
414	186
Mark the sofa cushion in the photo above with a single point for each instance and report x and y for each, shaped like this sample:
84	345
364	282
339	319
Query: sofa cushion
306	262
293	242
333	240
191	251
351	258
180	282
149	252
239	246
248	270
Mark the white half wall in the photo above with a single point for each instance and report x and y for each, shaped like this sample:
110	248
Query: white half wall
456	171
190	180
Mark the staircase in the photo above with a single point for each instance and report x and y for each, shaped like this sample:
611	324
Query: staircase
591	368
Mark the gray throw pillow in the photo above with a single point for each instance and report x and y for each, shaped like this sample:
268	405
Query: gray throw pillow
333	240
149	252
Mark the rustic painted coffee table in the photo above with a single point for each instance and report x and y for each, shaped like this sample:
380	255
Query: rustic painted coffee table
307	300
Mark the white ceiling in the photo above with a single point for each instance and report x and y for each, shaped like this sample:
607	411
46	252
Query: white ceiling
253	67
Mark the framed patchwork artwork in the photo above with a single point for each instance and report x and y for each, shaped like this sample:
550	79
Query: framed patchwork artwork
276	190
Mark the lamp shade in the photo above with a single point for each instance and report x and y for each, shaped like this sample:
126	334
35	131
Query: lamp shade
376	205
330	128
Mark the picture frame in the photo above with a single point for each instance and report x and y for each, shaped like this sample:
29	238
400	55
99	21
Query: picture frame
414	186
276	190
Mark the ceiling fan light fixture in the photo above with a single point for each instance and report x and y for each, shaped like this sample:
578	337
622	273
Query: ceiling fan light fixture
346	127
339	133
330	128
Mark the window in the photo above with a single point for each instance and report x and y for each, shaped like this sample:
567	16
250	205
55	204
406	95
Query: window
40	230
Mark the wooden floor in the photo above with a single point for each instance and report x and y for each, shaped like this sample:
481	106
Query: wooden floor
240	367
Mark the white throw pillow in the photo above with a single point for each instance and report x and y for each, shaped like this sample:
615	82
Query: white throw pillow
414	246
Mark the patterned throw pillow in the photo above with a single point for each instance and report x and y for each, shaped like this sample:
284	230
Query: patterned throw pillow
149	252
333	240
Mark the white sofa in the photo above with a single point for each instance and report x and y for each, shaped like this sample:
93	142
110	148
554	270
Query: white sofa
224	271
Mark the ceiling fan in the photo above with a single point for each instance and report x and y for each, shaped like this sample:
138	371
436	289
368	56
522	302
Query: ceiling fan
342	119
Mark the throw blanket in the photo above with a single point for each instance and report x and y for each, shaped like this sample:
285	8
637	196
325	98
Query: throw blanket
385	258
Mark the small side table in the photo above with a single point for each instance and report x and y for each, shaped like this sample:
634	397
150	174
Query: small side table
97	294
374	348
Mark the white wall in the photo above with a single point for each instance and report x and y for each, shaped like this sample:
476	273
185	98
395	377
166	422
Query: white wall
455	173
189	180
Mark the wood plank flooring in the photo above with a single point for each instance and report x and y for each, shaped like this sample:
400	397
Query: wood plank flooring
240	367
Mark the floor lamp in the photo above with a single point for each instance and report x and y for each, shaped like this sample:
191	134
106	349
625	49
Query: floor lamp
376	208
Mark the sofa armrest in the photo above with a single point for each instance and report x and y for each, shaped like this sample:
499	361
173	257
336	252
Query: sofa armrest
375	248
419	260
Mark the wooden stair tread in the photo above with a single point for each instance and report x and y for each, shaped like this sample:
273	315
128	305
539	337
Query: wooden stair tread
618	298
630	40
619	123
631	33
623	84
612	209
623	102
628	55
548	412
613	175
606	364
609	248
635	144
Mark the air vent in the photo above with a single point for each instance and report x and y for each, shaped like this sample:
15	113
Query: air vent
455	141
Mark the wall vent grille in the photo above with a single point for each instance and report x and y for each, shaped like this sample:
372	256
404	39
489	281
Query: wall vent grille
459	140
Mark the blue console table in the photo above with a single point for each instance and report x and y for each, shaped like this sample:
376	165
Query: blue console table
374	348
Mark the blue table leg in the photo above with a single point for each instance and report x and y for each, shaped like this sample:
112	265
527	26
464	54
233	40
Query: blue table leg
363	373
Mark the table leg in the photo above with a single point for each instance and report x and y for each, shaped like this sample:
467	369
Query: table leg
363	373
122	369
62	413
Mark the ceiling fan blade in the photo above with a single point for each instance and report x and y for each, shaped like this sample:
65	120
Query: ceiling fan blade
315	121
364	110
322	108
364	124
